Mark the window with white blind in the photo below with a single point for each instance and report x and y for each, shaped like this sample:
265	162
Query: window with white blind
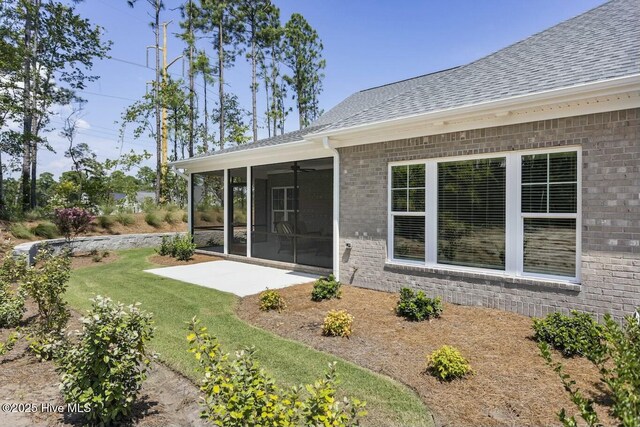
407	211
517	213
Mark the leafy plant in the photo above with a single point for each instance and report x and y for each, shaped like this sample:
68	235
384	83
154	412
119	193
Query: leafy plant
124	218
237	392
46	230
166	246
337	323
185	217
8	345
577	334
326	288
169	219
105	221
180	247
416	306
104	371
272	300
11	306
96	258
618	360
20	231
13	269
447	363
153	219
72	221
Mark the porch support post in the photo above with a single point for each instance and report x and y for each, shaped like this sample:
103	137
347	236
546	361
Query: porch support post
226	211
190	204
249	209
336	207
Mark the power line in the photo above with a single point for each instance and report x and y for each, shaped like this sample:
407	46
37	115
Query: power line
107	96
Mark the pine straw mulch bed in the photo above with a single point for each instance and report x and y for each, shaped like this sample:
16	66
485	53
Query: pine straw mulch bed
169	261
86	259
511	385
166	399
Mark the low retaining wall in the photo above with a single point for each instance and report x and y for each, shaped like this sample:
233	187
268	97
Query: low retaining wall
85	244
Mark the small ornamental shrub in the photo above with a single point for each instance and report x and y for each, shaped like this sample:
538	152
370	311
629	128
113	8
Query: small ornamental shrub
618	360
106	221
20	231
46	230
577	334
11	306
8	345
153	219
72	221
326	288
104	371
417	306
337	323
124	218
271	300
185	217
13	269
447	363
237	392
180	247
166	246
96	258
169	218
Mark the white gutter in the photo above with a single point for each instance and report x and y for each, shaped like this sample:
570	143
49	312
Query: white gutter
600	88
336	206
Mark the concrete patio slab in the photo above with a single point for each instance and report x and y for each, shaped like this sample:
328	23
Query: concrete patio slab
235	277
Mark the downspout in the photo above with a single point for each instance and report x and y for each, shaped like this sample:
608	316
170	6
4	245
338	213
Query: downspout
336	206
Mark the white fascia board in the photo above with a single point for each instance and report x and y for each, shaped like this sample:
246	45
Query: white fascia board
499	109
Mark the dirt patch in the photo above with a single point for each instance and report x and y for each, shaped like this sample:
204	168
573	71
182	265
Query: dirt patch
195	259
511	385
86	259
166	399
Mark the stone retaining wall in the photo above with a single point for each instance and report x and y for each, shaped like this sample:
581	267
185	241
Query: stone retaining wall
85	244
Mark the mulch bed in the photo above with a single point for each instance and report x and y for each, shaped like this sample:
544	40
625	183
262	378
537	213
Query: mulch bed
169	261
511	386
166	399
85	259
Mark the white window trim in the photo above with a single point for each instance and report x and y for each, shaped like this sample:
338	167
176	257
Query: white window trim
514	219
286	209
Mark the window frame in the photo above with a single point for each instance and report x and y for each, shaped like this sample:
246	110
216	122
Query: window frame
514	217
286	211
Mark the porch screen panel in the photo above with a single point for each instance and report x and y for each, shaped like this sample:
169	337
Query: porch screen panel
472	212
207	213
408	212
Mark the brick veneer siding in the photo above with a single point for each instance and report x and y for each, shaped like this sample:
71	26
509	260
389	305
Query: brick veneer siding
610	279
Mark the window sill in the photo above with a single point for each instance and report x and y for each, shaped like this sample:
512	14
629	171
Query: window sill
506	280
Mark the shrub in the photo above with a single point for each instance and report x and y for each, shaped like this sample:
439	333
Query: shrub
72	221
168	218
183	247
237	392
13	269
8	345
618	360
124	218
337	323
185	217
577	334
96	258
104	371
166	246
20	231
105	221
272	300
153	219
326	288
46	230
11	306
418	307
447	363
107	209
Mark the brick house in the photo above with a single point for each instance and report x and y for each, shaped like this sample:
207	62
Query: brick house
511	182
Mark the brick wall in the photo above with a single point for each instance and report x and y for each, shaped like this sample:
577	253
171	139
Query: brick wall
610	208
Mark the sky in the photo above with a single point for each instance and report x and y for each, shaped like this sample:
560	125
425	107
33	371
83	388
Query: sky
366	44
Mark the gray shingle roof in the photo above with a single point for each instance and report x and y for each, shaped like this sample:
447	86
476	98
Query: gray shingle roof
600	44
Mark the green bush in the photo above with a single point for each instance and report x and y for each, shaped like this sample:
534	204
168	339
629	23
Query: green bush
326	288
13	269
166	246
104	371
169	218
577	334
153	219
185	217
618	360
11	306
105	221
337	323
272	300
183	247
107	209
124	218
46	230
447	363
237	392
20	231
417	306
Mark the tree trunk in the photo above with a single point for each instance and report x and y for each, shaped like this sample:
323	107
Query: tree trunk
34	173
254	83
28	114
269	109
191	82
3	206
221	79
159	174
205	143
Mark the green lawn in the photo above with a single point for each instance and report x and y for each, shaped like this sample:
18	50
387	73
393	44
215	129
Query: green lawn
173	303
